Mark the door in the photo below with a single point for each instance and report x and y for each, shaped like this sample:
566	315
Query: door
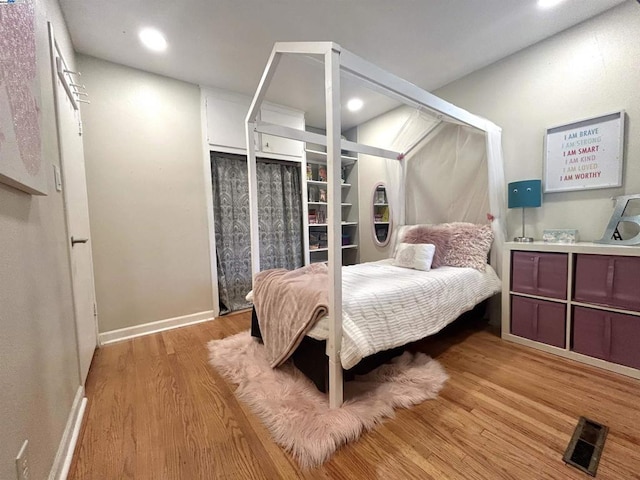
74	188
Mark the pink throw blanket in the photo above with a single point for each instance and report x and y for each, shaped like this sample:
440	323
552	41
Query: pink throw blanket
288	304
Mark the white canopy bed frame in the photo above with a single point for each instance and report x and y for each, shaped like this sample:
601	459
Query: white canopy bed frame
337	60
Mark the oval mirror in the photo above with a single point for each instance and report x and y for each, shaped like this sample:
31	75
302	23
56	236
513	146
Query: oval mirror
381	215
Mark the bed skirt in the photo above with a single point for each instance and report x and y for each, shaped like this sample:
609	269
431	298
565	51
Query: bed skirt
311	359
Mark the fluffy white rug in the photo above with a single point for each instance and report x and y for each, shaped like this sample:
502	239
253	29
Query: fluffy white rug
298	415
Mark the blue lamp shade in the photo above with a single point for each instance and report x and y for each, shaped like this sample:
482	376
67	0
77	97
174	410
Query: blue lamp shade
526	193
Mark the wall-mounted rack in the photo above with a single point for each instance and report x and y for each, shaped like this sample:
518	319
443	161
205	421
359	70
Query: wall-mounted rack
75	91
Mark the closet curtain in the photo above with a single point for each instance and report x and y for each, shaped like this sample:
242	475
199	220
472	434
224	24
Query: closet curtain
280	223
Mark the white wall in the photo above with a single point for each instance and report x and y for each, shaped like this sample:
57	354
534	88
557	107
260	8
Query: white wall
38	355
145	178
586	71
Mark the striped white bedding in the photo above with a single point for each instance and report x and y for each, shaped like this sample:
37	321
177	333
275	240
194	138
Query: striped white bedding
385	306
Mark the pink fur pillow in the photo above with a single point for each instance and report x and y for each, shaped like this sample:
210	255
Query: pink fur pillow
457	244
469	245
437	235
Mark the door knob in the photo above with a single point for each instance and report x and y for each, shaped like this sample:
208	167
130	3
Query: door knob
75	240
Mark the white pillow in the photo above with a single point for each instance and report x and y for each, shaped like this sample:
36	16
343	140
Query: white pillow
414	255
397	234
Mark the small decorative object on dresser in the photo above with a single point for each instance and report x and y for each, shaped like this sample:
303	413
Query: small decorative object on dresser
560	236
612	233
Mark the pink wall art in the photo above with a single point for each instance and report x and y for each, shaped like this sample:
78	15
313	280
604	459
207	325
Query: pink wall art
21	163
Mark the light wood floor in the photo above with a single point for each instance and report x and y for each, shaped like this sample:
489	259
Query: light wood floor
157	410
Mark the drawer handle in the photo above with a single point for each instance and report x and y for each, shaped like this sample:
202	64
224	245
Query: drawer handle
536	266
535	320
607	337
611	270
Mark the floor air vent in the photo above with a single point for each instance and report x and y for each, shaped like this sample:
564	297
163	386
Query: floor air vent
586	446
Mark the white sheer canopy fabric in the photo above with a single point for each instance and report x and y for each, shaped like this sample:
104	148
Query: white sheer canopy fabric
446	179
451	172
416	128
497	199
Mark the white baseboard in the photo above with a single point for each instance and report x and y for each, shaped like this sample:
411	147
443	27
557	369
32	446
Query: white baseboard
153	327
62	462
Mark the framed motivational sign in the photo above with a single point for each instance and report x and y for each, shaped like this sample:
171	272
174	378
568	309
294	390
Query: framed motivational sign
585	155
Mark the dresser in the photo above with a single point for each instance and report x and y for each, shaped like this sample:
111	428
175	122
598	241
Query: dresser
579	301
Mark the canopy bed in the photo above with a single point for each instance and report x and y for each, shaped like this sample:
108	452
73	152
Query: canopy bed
436	125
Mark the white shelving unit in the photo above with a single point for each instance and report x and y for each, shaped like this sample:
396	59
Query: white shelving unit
315	211
344	247
381	216
325	203
318	182
316	156
549	302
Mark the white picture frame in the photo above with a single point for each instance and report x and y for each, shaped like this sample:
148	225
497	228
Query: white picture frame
584	155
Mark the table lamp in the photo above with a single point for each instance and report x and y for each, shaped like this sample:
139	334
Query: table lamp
525	194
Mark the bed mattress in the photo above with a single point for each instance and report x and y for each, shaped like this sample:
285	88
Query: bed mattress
384	306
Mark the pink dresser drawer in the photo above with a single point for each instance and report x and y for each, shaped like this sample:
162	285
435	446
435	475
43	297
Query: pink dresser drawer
607	335
537	273
538	320
608	280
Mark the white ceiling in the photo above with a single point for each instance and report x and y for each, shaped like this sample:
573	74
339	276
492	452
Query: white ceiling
226	43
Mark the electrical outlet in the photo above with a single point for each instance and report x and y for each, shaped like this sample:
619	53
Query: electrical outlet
22	462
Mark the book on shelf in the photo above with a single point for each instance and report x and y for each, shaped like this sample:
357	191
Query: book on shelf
323	240
314	241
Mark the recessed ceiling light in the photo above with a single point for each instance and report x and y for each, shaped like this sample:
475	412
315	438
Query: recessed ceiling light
548	3
153	39
354	104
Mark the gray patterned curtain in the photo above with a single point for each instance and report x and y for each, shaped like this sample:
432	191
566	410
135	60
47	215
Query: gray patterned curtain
280	223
